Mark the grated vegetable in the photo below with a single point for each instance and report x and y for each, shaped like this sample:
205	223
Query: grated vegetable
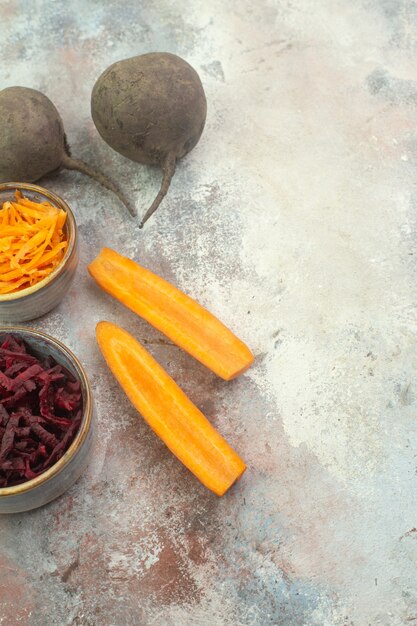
32	242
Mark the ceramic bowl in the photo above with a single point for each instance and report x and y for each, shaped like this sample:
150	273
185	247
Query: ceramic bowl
30	303
58	478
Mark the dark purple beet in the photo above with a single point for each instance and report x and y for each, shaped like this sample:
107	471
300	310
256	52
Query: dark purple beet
152	109
33	142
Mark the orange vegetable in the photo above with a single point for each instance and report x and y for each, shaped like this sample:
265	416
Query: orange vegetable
168	411
175	314
32	242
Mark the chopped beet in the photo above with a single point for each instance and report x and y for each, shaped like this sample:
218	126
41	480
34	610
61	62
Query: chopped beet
65	400
6	382
27	375
40	412
17	356
13	400
16	367
4	416
15	463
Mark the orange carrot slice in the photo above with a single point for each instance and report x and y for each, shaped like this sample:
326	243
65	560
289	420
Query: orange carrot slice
175	314
168	411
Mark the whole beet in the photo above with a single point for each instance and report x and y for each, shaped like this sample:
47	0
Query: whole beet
152	109
33	142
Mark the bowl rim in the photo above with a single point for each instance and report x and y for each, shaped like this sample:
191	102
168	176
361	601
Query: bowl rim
72	239
85	422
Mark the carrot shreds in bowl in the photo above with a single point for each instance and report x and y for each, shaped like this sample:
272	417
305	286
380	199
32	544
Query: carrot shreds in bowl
32	242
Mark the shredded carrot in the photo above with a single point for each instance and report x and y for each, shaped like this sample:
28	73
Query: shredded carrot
32	242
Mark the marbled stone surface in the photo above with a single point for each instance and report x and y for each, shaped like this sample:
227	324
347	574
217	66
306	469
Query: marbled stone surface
294	220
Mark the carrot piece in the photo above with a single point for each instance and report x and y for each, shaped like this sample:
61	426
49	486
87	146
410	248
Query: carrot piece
62	217
32	242
168	411
58	250
12	275
9	286
175	314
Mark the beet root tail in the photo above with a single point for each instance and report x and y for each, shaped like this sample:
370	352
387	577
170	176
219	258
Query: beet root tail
76	164
168	170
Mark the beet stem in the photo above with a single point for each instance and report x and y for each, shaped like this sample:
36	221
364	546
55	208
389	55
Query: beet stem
75	164
168	169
